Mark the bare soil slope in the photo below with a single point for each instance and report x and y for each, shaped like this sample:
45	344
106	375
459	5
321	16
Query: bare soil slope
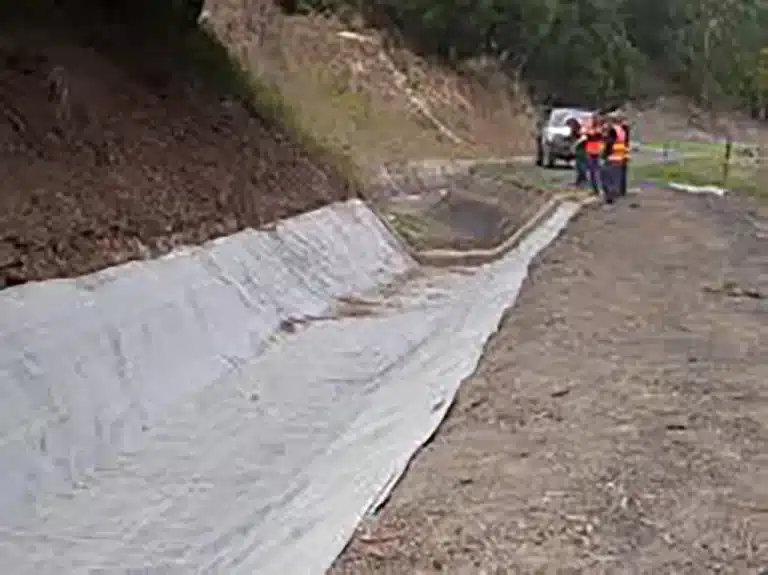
101	164
618	421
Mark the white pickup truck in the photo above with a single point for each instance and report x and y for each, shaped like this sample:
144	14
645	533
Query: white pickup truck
553	138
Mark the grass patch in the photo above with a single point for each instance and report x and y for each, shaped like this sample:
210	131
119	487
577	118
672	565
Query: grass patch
267	101
742	176
710	149
410	227
207	58
707	148
361	122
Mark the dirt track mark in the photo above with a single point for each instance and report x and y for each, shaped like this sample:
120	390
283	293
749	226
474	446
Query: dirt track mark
617	422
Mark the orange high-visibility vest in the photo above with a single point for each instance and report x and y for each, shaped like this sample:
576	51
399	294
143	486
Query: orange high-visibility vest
620	150
594	146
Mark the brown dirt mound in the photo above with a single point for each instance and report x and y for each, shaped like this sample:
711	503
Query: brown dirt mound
101	166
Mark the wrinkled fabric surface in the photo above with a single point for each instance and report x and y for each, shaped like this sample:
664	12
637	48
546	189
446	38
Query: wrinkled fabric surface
222	410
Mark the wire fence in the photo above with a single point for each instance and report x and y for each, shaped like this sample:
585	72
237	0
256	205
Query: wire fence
723	163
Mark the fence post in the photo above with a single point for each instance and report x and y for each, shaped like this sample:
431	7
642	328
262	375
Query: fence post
761	161
727	158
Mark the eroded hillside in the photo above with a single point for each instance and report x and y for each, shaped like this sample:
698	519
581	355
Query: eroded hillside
112	151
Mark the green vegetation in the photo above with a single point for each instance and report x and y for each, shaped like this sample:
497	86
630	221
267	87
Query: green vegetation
742	175
597	52
410	227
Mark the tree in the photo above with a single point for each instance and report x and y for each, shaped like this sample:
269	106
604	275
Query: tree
593	51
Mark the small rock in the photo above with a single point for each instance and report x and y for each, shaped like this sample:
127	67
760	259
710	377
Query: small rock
288	325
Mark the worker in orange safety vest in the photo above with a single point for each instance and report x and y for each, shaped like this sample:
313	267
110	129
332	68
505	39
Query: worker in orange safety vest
592	139
615	155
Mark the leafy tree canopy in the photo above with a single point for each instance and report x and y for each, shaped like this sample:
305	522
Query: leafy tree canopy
594	52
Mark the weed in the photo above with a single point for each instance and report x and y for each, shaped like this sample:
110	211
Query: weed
411	228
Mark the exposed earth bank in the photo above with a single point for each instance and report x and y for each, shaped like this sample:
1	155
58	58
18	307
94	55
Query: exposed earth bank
103	164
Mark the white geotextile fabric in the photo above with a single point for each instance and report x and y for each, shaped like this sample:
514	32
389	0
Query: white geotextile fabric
691	189
86	364
220	443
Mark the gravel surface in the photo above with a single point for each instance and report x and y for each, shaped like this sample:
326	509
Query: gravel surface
618	422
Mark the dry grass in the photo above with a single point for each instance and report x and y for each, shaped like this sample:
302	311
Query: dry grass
707	167
368	100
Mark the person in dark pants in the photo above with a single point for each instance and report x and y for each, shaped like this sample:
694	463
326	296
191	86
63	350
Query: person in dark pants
580	152
595	172
593	146
614	160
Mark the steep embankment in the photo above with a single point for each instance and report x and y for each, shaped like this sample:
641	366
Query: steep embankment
116	147
377	102
111	152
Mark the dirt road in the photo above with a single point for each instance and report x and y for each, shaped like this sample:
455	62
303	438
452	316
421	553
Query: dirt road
619	420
